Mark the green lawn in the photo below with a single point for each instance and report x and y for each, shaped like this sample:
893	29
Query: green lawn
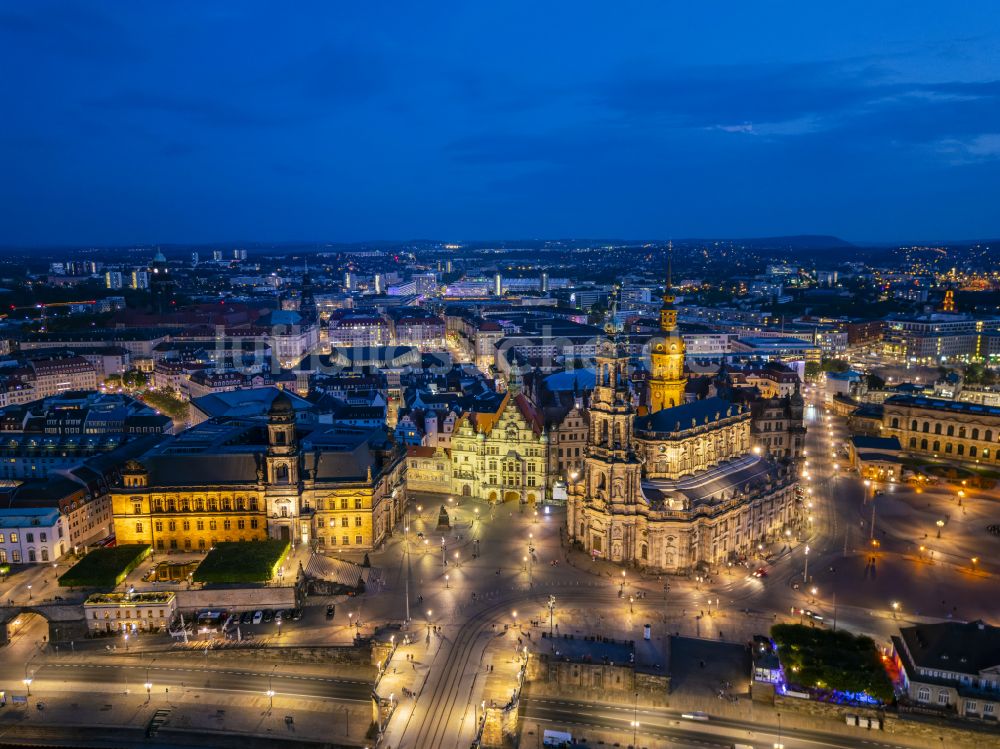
105	568
815	658
242	562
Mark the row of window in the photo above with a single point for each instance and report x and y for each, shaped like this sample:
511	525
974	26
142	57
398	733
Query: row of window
15	555
129	615
949	432
29	537
959	450
971	706
227	524
196	505
510	480
344	540
171	525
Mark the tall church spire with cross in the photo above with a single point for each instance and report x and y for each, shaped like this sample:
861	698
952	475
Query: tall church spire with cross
666	351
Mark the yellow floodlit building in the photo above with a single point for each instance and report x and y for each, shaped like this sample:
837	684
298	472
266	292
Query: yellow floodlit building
237	480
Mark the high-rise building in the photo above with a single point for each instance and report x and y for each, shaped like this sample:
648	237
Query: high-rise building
239	254
379	284
113	279
498	285
217	256
348	280
139	279
194	259
545	282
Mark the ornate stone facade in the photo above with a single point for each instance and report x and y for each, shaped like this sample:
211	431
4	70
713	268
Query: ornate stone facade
503	457
242	481
943	428
678	488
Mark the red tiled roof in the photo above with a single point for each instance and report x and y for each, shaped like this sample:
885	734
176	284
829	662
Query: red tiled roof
419	451
529	412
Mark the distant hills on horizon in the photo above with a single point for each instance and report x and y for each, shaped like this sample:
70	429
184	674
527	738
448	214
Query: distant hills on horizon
792	242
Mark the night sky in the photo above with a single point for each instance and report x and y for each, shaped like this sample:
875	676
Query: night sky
141	122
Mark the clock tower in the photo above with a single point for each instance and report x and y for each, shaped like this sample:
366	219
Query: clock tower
666	350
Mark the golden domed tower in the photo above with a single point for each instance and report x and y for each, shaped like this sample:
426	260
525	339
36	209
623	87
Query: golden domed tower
666	350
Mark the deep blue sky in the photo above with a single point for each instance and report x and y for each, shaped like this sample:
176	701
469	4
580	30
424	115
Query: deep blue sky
200	121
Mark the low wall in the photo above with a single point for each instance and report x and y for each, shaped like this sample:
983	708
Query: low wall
928	731
237	598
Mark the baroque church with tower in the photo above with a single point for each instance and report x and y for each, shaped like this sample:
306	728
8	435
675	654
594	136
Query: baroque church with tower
679	487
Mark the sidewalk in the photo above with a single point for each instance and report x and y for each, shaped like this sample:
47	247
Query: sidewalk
404	679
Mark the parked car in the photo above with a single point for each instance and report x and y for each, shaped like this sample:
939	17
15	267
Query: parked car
330	611
268	615
247	617
288	615
279	615
296	614
258	617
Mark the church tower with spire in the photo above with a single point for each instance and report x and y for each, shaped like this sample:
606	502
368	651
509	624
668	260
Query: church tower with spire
666	350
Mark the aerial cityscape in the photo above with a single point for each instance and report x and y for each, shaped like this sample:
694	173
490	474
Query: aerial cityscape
453	376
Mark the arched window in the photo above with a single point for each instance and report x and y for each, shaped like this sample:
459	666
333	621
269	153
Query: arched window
951	430
989	435
947	448
972	451
913	441
913	425
961	432
927	427
937	446
975	433
895	422
923	444
644	552
961	449
937	428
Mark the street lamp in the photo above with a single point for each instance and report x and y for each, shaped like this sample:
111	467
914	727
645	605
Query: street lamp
635	718
27	683
29	591
805	569
630	600
514	614
552	608
940	525
149	689
895	608
446	579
